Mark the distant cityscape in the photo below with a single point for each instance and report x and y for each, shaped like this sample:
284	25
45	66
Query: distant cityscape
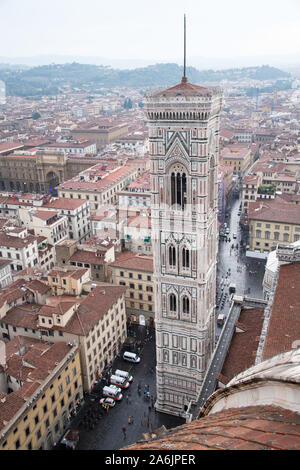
149	258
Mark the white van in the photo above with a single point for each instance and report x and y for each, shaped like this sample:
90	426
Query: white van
131	357
112	392
125	374
119	381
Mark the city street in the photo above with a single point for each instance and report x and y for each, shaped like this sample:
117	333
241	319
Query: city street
107	433
246	273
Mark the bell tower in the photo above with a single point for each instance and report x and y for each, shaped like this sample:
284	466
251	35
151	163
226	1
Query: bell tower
183	124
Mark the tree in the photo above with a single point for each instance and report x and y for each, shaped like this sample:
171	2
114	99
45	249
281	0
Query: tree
127	103
36	115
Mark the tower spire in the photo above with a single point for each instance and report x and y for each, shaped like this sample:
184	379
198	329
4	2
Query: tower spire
184	79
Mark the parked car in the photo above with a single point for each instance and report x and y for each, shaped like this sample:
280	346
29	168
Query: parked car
112	392
107	401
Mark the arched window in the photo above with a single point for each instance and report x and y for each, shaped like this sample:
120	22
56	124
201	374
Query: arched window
178	189
172	302
185	304
185	258
172	256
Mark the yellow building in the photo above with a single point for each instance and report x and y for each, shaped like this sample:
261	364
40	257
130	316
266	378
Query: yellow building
68	280
40	386
273	221
136	273
238	158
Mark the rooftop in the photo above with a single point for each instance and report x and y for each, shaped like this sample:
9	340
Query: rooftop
275	210
129	260
284	322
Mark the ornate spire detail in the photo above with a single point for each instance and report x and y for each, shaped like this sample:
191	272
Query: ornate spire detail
184	78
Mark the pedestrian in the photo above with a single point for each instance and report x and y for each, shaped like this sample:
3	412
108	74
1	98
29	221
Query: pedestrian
129	419
127	399
124	430
149	408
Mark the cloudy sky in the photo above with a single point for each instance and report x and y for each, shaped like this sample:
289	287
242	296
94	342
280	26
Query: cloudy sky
152	29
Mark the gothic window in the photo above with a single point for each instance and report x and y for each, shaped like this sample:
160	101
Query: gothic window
185	258
172	302
185	304
172	256
178	189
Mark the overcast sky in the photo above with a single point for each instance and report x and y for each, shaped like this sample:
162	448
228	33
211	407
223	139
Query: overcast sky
152	29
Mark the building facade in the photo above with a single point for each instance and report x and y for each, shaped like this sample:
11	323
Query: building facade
136	273
41	385
183	126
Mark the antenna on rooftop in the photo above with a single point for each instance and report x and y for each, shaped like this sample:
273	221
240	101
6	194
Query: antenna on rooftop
184	79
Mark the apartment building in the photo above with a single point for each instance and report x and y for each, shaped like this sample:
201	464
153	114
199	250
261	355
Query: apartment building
5	273
98	184
46	252
96	322
68	280
101	133
137	233
49	224
94	254
81	147
273	221
77	212
237	157
136	194
40	386
19	247
136	273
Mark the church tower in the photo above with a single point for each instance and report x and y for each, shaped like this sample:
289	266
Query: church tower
183	124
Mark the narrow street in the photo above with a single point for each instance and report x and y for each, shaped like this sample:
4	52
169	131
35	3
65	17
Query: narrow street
246	273
107	433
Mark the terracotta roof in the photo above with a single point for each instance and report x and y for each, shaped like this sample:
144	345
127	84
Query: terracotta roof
25	316
68	271
129	260
275	210
107	179
45	215
16	242
284	323
183	89
93	307
65	203
33	367
242	351
249	428
83	256
8	146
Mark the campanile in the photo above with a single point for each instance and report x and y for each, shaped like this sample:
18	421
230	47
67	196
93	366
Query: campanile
183	124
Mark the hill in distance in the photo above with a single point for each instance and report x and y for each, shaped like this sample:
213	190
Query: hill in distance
51	79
